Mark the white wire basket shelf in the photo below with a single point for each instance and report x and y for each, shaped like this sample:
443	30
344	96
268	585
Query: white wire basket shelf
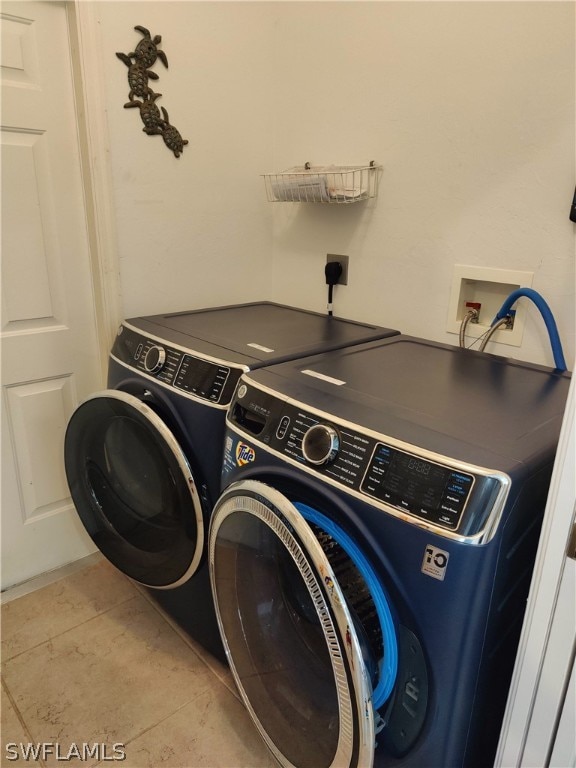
332	184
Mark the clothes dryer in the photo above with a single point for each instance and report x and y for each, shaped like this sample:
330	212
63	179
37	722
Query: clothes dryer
371	551
143	458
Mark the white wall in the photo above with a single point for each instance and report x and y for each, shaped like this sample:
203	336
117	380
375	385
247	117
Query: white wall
469	106
193	231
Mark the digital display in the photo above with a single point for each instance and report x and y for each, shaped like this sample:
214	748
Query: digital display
416	480
202	378
420	466
423	488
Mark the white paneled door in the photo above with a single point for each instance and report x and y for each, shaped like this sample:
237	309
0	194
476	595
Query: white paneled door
50	356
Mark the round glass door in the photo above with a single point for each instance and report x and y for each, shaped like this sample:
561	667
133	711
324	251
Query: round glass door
289	636
134	490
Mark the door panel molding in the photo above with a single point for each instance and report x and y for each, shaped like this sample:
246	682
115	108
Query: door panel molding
40	474
87	53
60	271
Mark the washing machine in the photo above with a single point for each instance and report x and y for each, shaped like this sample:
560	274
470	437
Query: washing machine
372	548
143	458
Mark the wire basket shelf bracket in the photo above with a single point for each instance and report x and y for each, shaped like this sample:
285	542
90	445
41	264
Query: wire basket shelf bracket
336	184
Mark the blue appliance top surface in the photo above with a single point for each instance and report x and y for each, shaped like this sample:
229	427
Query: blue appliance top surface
258	333
458	402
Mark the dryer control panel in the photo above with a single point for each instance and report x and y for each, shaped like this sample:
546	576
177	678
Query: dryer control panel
176	367
422	485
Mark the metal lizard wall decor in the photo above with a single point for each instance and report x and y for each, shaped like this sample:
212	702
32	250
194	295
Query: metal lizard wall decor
139	62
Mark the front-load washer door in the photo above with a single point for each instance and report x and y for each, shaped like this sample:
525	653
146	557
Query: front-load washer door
134	490
290	637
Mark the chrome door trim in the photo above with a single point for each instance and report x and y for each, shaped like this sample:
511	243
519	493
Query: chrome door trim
240	496
169	439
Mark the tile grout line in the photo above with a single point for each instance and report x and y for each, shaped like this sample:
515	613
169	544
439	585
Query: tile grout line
20	718
148	601
94	559
217	675
187	640
167	717
70	629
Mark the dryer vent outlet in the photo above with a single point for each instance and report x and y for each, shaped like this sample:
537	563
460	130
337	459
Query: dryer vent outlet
343	261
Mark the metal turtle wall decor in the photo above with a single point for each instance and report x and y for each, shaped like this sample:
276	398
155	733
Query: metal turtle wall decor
139	63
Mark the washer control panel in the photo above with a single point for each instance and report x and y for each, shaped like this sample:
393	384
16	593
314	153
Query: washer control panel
423	488
193	374
419	484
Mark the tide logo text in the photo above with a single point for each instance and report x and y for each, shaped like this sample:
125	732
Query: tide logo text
245	454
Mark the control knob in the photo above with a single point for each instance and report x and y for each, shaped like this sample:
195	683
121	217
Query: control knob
154	359
320	444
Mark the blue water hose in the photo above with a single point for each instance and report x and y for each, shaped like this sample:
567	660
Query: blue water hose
547	316
388	666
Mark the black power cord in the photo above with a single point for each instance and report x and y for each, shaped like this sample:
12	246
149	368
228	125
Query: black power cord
333	272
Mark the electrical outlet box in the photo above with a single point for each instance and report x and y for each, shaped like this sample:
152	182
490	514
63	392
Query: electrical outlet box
489	288
343	260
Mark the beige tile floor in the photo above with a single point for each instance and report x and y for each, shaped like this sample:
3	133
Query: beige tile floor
89	659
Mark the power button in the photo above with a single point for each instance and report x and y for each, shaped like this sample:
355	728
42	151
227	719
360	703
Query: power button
282	427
